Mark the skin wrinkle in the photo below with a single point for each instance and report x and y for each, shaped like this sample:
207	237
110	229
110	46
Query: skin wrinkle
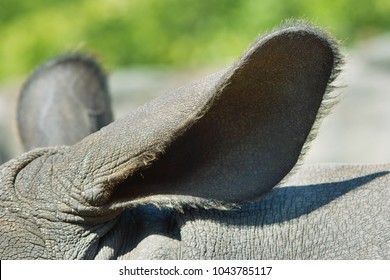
18	195
29	228
47	213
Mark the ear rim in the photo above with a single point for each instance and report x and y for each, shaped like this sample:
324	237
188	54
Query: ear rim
330	97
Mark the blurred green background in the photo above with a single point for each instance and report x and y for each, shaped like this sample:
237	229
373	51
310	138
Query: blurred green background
170	32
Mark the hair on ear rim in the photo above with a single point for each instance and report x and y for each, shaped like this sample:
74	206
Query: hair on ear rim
330	98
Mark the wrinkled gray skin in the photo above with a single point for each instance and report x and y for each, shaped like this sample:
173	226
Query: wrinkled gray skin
194	174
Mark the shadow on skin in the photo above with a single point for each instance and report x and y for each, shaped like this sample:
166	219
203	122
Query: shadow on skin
284	203
280	205
291	202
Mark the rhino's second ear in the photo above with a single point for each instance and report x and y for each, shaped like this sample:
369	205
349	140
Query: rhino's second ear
231	136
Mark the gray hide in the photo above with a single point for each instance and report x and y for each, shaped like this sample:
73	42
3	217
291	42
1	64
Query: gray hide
197	173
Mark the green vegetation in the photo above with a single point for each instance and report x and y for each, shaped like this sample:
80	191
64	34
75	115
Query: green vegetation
165	32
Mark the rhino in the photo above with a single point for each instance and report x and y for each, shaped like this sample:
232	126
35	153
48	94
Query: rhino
211	170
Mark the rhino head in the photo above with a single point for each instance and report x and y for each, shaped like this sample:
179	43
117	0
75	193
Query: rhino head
201	152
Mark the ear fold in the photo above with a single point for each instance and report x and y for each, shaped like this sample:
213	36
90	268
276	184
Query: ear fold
231	136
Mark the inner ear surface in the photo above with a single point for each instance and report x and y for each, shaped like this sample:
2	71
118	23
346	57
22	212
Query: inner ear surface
253	133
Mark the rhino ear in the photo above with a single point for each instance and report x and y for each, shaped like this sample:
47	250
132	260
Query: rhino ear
253	133
231	136
62	102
